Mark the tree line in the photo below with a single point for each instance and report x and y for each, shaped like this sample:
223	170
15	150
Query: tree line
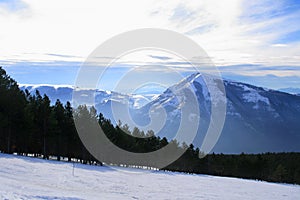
31	126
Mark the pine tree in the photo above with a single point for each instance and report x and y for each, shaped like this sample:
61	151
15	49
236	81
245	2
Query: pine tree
59	114
12	103
280	173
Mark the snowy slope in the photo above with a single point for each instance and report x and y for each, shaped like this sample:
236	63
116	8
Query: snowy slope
64	94
29	178
257	119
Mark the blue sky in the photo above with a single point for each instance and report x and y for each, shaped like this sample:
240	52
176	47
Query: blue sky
258	42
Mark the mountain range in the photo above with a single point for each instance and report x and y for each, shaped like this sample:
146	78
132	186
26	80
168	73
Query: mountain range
257	119
291	90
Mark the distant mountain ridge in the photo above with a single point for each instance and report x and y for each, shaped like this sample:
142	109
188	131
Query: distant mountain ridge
64	93
291	90
257	119
54	92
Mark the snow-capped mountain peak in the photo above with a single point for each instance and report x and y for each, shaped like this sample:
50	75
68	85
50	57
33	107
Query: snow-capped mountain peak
257	119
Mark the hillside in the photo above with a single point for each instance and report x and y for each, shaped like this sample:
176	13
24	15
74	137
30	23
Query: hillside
31	178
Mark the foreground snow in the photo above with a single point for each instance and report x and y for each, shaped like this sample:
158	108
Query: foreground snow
29	178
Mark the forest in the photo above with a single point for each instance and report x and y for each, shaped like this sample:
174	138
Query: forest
30	125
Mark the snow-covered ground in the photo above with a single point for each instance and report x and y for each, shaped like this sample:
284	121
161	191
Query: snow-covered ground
29	178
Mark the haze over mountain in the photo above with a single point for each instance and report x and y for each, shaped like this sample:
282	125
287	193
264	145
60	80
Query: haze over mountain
291	90
257	119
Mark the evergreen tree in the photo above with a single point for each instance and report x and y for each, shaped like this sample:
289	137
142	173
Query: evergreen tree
12	102
59	114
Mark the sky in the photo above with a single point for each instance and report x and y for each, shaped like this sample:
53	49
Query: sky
46	42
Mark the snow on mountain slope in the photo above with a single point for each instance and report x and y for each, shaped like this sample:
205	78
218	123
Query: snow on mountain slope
257	119
30	178
64	94
252	95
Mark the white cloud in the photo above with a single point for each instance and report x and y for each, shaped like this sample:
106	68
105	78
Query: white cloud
232	32
68	27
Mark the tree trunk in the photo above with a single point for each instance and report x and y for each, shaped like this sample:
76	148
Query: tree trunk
9	136
44	138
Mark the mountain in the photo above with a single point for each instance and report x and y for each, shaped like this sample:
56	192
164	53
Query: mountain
64	94
291	90
103	99
257	119
54	92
